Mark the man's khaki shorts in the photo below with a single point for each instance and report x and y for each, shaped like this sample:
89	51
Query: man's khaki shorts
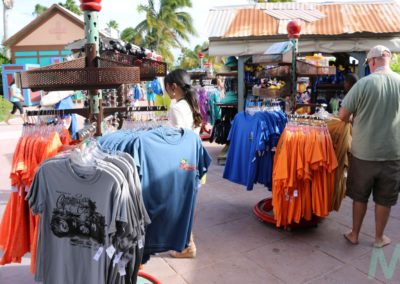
380	178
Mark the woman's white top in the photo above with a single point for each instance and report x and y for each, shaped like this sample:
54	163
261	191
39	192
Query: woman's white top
180	115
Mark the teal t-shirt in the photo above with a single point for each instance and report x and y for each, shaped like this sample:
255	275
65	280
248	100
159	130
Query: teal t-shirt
375	103
17	92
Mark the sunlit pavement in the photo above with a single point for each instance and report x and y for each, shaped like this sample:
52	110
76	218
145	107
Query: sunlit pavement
234	247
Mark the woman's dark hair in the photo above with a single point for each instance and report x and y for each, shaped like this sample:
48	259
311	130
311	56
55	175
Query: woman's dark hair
182	79
351	79
12	82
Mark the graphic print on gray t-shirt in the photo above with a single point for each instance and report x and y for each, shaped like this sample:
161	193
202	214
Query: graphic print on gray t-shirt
75	217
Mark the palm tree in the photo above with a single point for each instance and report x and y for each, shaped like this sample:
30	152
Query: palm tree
7	6
189	59
273	1
131	35
39	9
70	5
165	26
112	24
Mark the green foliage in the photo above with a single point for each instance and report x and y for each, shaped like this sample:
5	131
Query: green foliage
189	58
5	108
165	27
396	63
39	9
270	1
71	5
131	35
4	59
113	24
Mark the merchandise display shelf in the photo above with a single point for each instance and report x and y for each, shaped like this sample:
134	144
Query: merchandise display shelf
73	75
149	69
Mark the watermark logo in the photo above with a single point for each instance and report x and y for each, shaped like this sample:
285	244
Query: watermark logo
378	257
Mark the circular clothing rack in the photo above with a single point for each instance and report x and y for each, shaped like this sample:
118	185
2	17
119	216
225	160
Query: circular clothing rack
145	278
264	212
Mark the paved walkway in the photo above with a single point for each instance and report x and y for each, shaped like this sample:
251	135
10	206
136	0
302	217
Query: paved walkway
234	247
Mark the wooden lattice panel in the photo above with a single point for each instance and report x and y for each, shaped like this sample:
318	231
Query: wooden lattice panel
79	79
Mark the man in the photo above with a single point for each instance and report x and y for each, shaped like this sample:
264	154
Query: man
374	102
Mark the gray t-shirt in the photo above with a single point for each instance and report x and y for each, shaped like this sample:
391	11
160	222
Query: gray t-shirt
375	104
78	216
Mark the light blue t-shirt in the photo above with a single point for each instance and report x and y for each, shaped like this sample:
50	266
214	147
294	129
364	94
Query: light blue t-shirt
170	161
17	91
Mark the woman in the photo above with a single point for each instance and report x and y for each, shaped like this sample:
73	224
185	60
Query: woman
16	99
184	113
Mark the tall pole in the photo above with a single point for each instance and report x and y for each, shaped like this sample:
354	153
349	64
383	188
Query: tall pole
293	29
7	6
92	50
293	72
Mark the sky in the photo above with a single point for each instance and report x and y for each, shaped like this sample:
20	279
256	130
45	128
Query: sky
122	11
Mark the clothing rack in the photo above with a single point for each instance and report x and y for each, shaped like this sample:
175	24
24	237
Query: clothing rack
94	73
86	132
295	116
109	111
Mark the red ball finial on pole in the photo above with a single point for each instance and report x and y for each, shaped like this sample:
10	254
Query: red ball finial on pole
293	29
90	5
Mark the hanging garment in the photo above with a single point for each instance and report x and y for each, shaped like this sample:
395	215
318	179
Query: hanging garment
341	138
202	99
252	144
303	174
214	97
137	92
94	213
19	228
169	185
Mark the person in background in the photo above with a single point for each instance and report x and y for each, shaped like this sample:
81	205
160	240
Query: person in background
335	102
184	113
69	120
349	80
60	100
374	102
150	94
16	99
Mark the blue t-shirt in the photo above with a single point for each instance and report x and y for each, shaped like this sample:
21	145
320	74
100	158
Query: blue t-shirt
170	163
275	123
67	103
137	94
156	87
245	139
251	149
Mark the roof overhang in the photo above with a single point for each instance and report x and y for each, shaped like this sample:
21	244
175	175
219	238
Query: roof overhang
323	44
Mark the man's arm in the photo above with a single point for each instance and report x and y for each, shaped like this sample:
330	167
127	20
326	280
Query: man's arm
344	114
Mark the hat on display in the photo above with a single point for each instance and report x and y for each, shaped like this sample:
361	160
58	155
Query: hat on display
378	51
231	61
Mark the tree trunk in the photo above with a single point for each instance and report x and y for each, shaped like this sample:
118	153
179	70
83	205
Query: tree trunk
6	13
